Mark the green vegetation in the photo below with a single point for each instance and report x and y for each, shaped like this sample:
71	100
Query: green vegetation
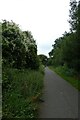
43	59
19	49
65	56
22	73
68	75
22	69
21	92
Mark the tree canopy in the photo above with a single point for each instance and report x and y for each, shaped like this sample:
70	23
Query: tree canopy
19	48
66	48
43	58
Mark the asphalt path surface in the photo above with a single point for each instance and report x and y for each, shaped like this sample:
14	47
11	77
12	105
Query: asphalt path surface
60	97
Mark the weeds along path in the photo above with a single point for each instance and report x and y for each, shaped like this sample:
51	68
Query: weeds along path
60	98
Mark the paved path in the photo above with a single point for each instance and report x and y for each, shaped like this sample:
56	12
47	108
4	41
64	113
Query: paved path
61	99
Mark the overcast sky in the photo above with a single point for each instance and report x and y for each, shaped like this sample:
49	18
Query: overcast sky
46	19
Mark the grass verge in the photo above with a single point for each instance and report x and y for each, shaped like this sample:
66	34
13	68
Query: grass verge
67	75
21	92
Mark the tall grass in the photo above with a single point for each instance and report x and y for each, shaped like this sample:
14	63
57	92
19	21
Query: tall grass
68	75
21	92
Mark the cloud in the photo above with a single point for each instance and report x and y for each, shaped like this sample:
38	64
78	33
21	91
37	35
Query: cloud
46	19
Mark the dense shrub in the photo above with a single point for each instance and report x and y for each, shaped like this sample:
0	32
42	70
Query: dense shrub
19	49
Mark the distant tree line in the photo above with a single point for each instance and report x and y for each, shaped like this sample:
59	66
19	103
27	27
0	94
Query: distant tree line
19	49
43	59
66	50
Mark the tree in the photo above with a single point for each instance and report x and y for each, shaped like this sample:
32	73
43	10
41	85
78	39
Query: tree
73	15
43	59
12	44
19	47
75	26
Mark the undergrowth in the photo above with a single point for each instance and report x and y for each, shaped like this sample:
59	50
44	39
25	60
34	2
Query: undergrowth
68	75
21	92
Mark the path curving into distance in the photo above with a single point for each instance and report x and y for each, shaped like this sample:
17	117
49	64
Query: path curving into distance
60	98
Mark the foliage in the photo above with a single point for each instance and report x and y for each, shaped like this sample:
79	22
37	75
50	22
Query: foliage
43	59
68	75
21	92
19	47
66	48
50	61
73	15
64	56
21	87
42	69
